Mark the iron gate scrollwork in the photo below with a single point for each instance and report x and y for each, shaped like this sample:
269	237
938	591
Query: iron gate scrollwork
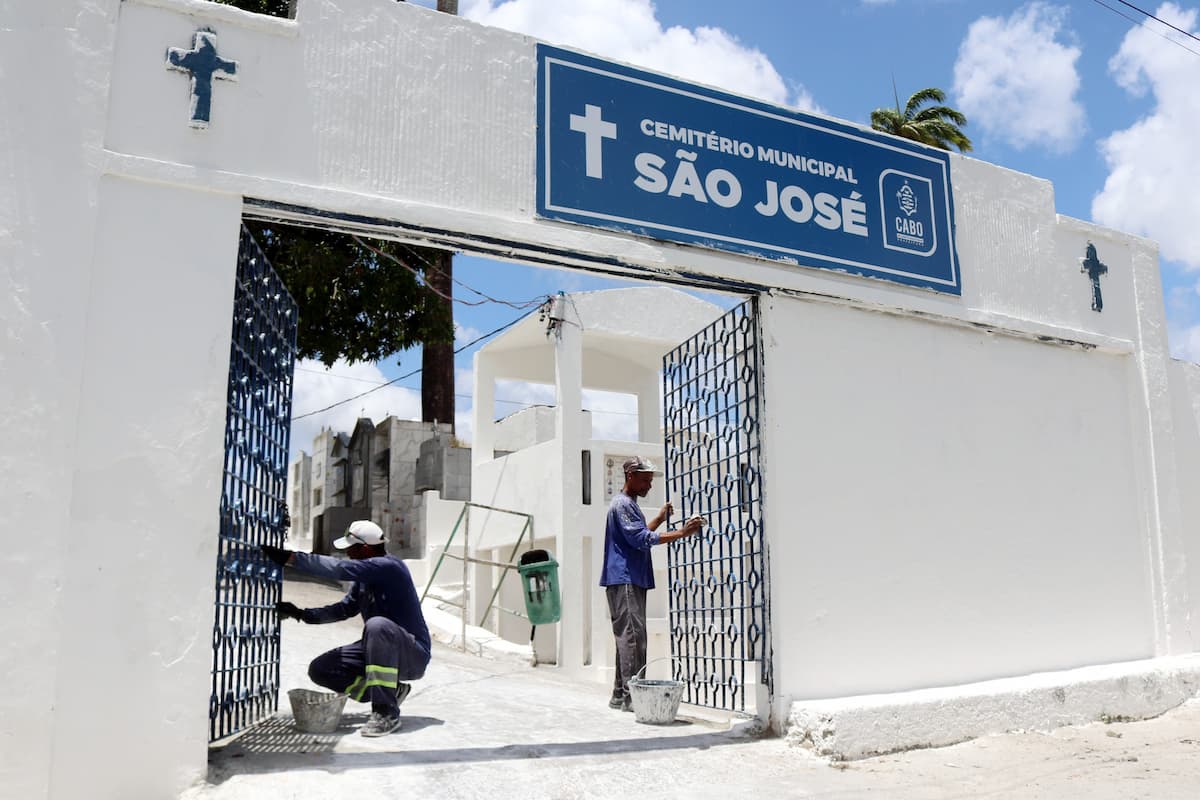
719	599
245	674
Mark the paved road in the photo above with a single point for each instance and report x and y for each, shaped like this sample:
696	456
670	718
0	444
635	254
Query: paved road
484	729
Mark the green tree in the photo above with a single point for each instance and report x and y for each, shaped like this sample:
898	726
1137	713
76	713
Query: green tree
361	302
935	125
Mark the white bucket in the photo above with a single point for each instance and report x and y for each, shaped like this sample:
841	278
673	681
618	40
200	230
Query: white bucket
316	712
655	702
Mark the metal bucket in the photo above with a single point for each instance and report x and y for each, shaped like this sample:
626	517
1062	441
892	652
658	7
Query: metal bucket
316	712
655	702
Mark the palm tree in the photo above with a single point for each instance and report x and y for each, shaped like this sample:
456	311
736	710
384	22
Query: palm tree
937	126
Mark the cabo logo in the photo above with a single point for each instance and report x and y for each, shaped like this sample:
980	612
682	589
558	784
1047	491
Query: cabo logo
907	202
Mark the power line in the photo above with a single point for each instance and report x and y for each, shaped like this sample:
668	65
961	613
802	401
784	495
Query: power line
328	374
1141	24
381	384
417	371
431	267
1188	34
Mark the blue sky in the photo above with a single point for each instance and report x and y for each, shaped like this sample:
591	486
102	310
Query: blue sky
1077	92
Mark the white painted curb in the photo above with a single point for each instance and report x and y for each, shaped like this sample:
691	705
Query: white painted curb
860	727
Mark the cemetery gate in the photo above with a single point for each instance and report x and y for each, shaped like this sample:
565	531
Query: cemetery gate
719	598
245	673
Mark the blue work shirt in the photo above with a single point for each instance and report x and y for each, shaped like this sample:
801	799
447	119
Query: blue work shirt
627	543
383	587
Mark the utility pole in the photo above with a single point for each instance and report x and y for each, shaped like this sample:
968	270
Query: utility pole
437	358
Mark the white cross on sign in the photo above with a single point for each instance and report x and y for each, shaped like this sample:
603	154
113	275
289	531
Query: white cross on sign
595	130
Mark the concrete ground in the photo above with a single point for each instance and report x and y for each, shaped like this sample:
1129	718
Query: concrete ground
476	728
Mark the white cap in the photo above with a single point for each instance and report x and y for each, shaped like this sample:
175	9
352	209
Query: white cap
361	531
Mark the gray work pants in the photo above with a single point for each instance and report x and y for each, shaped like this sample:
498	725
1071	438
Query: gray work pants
627	607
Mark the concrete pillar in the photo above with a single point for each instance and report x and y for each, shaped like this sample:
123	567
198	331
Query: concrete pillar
568	370
649	395
1173	631
158	327
483	444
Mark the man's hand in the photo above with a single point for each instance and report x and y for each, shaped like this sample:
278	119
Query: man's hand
693	526
276	554
660	517
285	609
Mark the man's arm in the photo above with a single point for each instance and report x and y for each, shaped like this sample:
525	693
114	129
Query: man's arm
632	526
365	570
692	526
322	566
345	608
641	535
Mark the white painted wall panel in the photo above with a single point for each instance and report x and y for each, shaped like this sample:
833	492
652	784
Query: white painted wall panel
1022	261
1185	396
137	588
359	95
53	83
393	111
946	505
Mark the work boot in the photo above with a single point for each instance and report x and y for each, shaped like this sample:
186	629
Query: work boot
380	724
620	703
402	691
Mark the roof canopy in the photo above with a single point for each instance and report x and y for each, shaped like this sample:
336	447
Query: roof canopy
625	332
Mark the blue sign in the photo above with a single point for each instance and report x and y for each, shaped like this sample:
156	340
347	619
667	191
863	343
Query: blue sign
633	151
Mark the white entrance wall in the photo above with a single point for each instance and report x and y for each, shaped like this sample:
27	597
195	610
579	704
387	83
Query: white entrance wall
948	505
1008	462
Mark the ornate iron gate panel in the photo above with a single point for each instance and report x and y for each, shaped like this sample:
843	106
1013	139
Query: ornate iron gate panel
245	674
719	600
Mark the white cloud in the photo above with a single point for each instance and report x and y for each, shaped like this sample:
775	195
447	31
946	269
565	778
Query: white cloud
629	31
316	388
1152	165
464	426
1015	78
614	415
1185	343
464	334
512	396
1183	316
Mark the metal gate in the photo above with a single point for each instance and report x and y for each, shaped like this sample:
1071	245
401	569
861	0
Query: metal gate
719	599
245	674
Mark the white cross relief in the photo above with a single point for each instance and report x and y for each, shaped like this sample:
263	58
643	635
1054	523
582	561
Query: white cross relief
595	130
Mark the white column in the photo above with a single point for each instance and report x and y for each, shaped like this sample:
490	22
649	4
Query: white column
1173	633
483	442
649	395
568	369
158	323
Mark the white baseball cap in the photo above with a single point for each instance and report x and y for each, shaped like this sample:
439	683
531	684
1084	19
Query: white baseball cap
361	531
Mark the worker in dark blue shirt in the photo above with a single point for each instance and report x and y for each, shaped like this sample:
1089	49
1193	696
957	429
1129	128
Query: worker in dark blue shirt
628	571
395	645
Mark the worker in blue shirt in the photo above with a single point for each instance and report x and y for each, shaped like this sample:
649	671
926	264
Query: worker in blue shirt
395	645
628	571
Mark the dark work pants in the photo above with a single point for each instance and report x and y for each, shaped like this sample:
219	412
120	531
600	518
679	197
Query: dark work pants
627	607
369	669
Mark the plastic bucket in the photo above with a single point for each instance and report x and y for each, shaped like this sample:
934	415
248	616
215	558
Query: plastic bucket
655	702
316	712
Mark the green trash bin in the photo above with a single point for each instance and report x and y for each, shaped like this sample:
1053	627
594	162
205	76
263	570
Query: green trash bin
539	578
